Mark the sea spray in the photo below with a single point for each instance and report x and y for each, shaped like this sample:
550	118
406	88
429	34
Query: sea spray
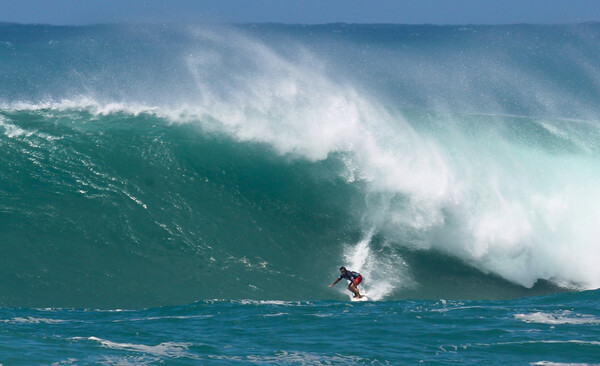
384	270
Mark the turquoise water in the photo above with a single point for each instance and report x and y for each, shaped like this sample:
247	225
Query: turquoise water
552	330
156	168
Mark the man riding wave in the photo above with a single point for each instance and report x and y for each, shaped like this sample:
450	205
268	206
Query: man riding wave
355	279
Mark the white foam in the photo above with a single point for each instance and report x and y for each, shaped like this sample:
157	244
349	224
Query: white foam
34	320
82	103
271	302
68	361
564	317
549	363
162	318
286	357
12	131
166	349
382	273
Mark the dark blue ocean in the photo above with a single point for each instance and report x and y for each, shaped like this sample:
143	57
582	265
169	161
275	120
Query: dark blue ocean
184	194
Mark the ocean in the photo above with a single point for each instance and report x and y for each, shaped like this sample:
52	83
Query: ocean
184	194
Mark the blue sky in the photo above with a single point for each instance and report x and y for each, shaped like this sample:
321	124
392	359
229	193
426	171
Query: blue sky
300	11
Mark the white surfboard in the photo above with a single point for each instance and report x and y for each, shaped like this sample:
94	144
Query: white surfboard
363	298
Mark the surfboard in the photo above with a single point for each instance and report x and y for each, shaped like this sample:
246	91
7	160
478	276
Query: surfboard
363	298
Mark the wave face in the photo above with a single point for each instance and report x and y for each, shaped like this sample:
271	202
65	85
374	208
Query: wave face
151	165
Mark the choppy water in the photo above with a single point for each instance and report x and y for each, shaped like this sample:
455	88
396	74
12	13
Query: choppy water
552	330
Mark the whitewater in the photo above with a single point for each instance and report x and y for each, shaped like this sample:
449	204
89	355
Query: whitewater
205	177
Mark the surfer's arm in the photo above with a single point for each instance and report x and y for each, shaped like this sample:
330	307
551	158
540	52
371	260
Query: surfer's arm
333	284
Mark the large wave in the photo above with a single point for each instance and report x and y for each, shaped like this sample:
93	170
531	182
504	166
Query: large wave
180	163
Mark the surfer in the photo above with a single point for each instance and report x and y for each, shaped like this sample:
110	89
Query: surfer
355	279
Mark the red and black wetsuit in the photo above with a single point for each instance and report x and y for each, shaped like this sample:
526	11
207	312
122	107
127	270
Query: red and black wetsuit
352	277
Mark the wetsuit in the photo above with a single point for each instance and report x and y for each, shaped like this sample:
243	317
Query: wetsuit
352	277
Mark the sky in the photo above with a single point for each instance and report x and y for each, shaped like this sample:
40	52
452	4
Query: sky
79	12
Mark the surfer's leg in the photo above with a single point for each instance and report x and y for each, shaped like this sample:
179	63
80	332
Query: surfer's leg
352	287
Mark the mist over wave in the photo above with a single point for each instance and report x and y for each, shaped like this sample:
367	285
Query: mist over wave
178	163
